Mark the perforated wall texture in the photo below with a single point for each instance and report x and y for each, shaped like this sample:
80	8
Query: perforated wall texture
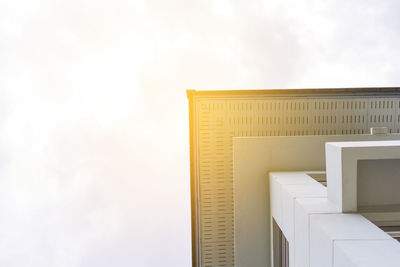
217	116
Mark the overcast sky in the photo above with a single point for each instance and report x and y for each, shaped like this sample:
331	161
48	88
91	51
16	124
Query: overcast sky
94	154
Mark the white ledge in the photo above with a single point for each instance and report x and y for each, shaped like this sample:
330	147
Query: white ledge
316	229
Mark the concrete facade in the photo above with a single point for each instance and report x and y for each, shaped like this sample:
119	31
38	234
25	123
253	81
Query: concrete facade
253	158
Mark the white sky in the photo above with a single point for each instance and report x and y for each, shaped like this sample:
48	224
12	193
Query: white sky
94	155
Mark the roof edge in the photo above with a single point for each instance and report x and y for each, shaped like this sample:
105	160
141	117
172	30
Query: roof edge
348	90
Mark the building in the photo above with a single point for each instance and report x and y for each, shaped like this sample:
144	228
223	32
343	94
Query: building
216	117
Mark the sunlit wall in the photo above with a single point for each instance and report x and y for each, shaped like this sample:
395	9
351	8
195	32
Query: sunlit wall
94	156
